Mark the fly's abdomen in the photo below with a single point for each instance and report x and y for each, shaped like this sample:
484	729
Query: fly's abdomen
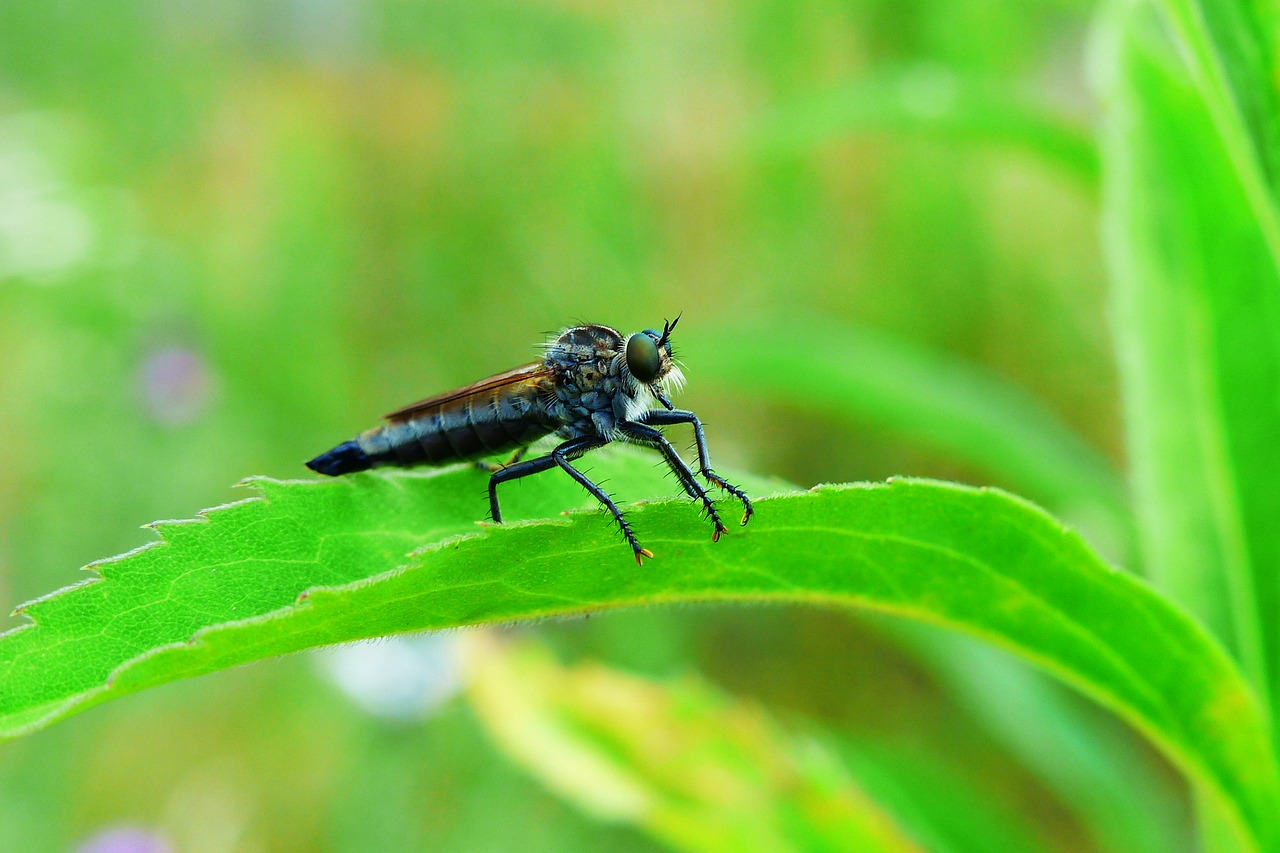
492	416
468	427
344	459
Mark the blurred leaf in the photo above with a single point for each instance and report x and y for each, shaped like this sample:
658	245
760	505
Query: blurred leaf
940	807
1196	309
314	563
1228	48
1098	774
934	399
933	100
695	769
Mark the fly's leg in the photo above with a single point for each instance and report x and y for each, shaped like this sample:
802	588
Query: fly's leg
492	467
680	416
574	448
647	435
561	457
514	472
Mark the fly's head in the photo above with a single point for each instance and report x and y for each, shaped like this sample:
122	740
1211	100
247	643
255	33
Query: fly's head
650	361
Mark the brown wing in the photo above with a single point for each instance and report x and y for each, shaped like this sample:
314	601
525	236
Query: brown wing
514	376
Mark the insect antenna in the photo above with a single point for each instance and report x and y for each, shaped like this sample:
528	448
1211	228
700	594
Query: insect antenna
668	328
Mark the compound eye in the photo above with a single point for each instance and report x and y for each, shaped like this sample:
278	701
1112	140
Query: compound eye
642	358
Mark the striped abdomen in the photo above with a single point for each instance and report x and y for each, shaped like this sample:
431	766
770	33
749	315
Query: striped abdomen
490	417
467	428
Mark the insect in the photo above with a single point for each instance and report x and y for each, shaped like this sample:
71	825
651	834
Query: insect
592	386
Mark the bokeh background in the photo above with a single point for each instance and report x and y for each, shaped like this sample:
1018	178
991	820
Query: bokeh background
232	234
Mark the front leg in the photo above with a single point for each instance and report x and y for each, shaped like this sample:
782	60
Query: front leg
647	435
661	397
681	416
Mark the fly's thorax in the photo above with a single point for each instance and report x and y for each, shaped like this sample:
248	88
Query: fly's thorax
593	377
582	344
583	359
579	393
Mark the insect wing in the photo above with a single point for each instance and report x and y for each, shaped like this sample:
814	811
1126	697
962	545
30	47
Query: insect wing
527	373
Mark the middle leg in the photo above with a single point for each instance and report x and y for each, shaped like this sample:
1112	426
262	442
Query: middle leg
572	449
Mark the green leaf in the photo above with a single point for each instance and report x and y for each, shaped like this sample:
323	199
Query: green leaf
695	769
260	558
1196	311
1227	46
314	563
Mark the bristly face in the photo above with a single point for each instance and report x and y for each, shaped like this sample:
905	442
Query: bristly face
650	359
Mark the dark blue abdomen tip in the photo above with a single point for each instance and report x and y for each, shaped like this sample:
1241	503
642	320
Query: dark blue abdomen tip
343	459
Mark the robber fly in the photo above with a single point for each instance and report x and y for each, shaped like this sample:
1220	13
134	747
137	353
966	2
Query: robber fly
592	386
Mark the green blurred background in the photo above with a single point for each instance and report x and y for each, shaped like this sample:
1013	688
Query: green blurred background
232	234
